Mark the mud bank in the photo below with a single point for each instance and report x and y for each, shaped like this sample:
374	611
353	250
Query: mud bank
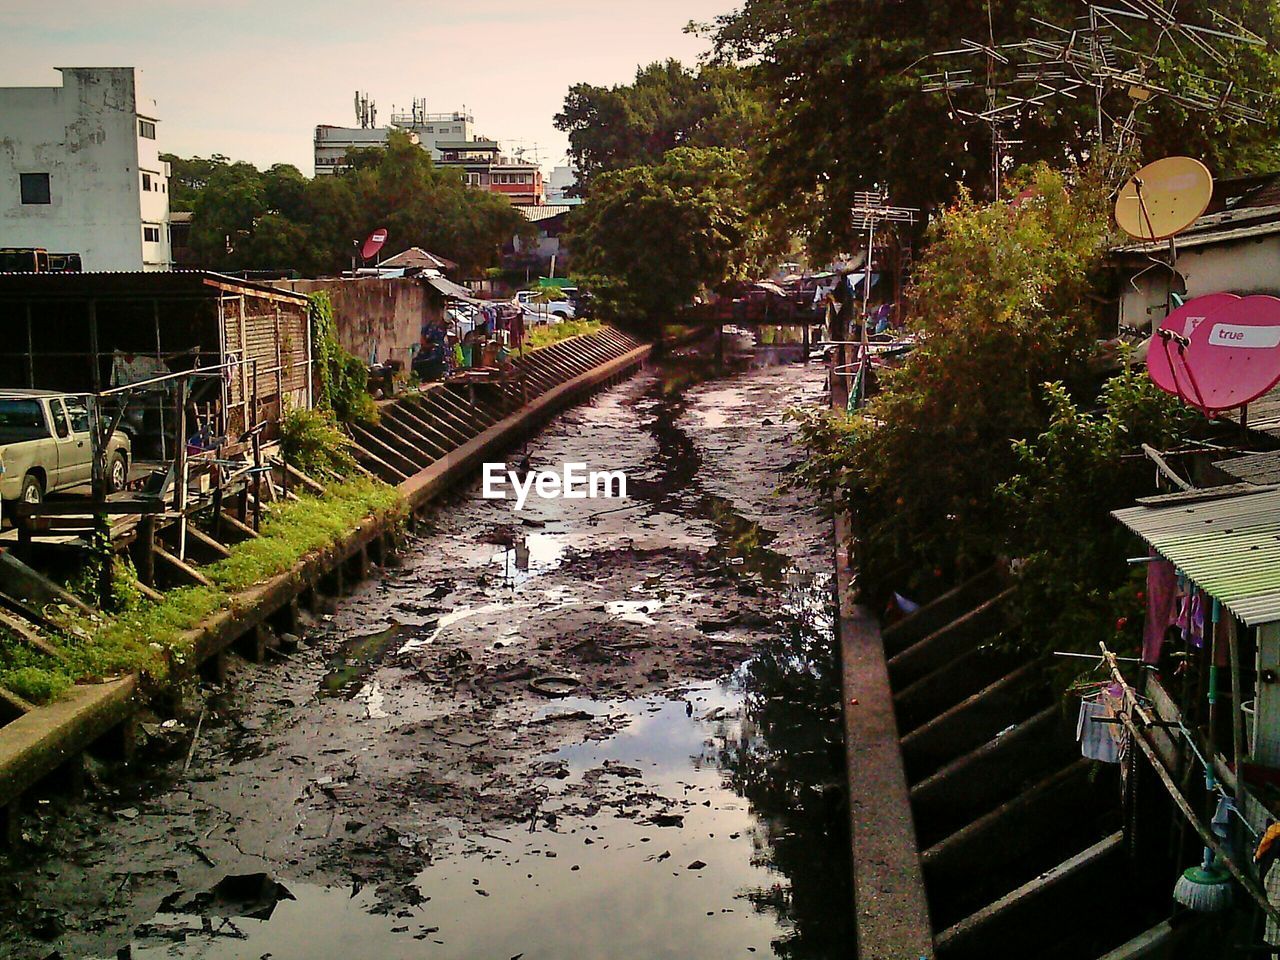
594	728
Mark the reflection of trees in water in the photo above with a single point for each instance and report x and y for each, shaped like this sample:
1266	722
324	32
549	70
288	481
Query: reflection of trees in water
791	770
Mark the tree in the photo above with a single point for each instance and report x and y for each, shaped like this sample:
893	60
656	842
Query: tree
847	112
1067	480
245	218
667	106
653	236
1001	304
188	176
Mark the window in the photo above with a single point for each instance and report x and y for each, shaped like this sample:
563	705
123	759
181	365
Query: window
78	413
150	233
21	420
147	129
59	420
35	188
146	181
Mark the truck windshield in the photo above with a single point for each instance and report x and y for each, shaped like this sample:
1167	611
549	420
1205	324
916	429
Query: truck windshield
21	420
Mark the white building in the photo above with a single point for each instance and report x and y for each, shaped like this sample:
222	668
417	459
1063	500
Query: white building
427	130
563	179
80	171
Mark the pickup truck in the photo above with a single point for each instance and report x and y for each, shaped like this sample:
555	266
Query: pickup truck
45	445
560	309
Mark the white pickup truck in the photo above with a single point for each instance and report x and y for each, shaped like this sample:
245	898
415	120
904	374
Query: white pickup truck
45	445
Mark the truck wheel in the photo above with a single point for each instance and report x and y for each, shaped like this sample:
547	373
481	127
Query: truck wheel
32	489
117	473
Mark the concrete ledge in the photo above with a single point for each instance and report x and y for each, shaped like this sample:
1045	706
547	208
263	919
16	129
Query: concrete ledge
37	743
429	482
888	883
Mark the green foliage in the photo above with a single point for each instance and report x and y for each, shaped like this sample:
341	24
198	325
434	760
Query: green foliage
651	237
293	530
149	637
1002	305
36	684
343	379
250	219
667	106
188	176
1073	582
545	336
313	442
846	112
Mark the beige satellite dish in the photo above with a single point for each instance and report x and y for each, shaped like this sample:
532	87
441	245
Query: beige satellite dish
1164	198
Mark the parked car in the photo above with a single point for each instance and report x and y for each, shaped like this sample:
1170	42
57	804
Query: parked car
561	309
45	445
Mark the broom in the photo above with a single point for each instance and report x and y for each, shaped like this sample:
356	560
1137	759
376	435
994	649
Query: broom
1207	888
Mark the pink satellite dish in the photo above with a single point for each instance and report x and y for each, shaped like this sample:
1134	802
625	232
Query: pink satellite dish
373	243
1167	356
1234	355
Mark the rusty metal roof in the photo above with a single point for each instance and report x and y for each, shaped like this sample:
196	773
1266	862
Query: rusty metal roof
133	284
1254	468
1230	548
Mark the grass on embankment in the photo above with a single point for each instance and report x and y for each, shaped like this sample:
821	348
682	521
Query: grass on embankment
544	336
148	637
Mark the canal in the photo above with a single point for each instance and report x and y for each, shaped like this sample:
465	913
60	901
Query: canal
593	728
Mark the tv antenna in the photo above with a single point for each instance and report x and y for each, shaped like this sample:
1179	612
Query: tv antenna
1115	51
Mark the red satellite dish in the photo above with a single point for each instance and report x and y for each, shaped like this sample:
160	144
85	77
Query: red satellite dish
1166	358
373	243
1234	356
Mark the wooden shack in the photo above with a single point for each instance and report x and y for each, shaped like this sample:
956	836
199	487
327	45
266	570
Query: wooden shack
89	332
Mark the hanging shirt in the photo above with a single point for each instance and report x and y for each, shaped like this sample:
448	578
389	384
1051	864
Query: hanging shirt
1162	594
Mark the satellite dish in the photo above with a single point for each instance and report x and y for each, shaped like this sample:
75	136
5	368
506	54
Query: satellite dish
1234	355
1164	198
373	243
1167	356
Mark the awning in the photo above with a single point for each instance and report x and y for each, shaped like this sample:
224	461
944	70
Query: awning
450	289
1229	547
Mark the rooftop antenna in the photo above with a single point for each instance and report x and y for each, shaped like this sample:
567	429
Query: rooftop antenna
1113	51
366	111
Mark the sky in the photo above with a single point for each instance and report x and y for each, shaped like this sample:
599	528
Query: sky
252	79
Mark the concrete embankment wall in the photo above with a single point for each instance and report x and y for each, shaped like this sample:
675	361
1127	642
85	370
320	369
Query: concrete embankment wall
376	317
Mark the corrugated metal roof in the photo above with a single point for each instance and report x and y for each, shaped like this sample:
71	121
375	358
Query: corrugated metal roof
1255	468
544	212
1229	548
1223	227
1200	494
451	289
127	284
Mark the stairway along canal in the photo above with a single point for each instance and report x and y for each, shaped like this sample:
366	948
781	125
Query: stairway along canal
596	728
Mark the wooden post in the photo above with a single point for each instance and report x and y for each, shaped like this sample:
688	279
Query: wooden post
806	340
1237	716
180	468
101	523
145	557
257	455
